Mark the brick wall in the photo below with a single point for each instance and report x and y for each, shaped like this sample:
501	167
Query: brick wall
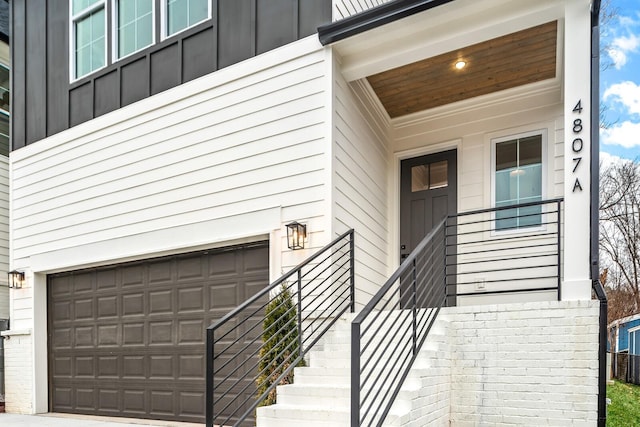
19	371
524	364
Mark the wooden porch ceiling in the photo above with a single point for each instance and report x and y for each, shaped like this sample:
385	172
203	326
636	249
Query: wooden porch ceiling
516	59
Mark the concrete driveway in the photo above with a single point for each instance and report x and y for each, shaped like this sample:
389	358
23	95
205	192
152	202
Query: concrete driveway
66	420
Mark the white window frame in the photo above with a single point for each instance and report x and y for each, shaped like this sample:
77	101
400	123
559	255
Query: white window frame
164	16
543	132
632	331
100	4
114	31
6	67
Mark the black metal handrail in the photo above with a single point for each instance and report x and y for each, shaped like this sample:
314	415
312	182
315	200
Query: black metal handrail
322	289
388	333
488	247
488	250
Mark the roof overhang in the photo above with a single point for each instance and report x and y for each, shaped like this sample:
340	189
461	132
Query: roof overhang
409	31
373	18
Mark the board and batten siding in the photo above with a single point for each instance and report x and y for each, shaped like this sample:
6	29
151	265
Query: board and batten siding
345	8
236	153
360	182
4	237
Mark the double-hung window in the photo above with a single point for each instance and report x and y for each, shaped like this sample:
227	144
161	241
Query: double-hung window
182	14
518	178
89	41
134	25
4	110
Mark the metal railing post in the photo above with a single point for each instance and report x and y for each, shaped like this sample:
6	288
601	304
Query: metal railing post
355	374
210	382
352	274
299	315
414	303
445	241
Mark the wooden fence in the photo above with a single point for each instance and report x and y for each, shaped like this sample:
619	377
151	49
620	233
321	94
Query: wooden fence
626	367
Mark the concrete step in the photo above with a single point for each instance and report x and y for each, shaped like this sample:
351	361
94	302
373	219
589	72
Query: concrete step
320	395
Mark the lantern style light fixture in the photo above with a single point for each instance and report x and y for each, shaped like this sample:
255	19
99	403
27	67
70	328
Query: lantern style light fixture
16	279
296	233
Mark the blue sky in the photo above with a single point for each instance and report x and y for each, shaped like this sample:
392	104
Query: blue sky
620	81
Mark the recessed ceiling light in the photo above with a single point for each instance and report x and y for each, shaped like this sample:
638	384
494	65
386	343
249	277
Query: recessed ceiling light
461	64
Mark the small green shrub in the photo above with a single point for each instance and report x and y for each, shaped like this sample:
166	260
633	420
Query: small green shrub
280	350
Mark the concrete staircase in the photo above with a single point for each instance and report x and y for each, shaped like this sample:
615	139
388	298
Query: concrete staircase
320	395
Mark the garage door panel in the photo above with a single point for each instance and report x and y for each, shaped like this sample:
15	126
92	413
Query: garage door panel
161	333
60	285
128	340
60	311
190	269
107	367
105	280
107	306
132	276
161	301
109	399
84	336
254	261
161	272
63	398
191	298
82	283
133	304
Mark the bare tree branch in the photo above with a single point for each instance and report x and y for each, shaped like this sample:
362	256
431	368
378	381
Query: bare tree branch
620	235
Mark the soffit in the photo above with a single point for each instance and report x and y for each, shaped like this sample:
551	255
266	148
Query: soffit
505	62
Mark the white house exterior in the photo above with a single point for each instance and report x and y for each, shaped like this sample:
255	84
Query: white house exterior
160	189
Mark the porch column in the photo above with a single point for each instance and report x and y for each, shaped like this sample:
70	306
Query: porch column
577	143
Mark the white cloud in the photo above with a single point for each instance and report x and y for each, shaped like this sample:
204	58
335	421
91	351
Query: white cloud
627	93
621	47
607	159
625	134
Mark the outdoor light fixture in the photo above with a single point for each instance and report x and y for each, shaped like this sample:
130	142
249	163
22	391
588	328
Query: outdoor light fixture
16	279
460	64
296	233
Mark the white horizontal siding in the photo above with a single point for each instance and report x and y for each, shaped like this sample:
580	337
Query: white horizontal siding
471	128
346	8
360	177
250	144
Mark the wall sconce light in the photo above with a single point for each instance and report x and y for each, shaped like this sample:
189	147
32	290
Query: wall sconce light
296	233
16	279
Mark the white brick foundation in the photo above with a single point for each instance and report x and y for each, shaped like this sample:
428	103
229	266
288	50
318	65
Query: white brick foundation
19	372
524	364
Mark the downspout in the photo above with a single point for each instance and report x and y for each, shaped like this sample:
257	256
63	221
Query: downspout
595	215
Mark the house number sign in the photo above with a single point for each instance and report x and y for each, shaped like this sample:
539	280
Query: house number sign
577	144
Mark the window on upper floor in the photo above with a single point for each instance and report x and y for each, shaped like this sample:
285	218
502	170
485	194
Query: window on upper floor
518	179
182	14
89	41
134	25
4	110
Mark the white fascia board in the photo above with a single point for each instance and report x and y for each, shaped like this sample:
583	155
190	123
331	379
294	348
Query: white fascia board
440	30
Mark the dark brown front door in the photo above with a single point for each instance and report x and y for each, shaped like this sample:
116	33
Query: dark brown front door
128	340
427	195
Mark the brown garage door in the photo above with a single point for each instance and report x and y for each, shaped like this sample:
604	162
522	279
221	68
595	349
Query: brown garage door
128	340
